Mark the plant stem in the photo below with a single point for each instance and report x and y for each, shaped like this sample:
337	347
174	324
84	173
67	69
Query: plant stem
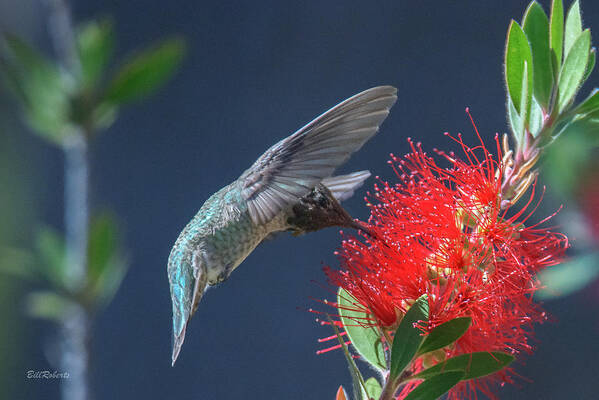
74	332
60	27
76	212
389	389
74	358
391	385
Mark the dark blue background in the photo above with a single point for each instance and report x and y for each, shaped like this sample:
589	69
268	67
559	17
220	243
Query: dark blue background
254	73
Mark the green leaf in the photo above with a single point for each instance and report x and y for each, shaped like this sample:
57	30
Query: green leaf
28	57
475	365
144	73
365	339
103	116
590	104
102	244
569	277
51	249
110	281
373	388
107	264
95	43
47	305
573	69
445	334
561	125
573	27
515	122
590	64
41	88
556	30
525	99
408	338
517	55
436	386
536	27
535	122
13	79
357	380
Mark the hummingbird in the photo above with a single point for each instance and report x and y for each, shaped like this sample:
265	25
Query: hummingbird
289	188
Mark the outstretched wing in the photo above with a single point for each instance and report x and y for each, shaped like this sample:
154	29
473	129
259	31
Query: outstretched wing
293	166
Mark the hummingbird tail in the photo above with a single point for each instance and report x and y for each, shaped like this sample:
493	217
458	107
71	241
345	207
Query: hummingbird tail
177	344
183	311
343	186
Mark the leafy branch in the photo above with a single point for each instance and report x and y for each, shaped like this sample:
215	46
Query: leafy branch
546	63
67	102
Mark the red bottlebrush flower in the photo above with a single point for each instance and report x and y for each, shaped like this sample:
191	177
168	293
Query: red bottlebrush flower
448	233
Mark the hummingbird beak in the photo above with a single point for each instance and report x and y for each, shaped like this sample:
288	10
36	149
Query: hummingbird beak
359	225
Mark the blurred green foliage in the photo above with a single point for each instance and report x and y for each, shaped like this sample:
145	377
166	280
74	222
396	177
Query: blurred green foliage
13	235
570	277
65	105
58	103
47	264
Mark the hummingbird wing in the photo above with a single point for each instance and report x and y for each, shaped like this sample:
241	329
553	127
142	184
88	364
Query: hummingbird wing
293	166
343	186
